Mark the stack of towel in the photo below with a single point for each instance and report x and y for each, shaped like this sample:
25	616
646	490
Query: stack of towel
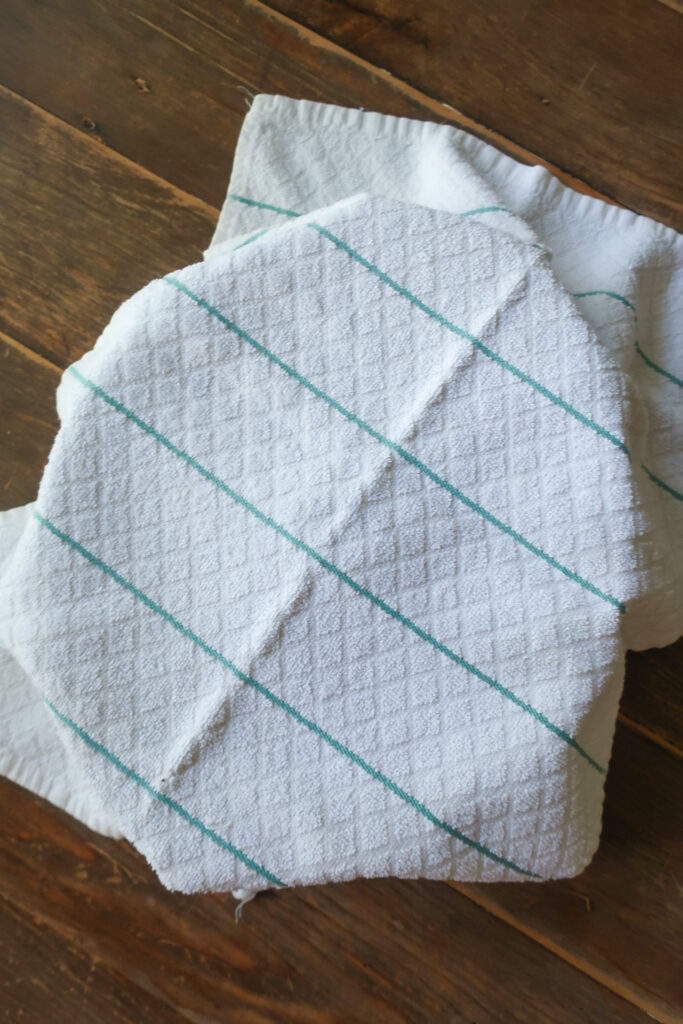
346	530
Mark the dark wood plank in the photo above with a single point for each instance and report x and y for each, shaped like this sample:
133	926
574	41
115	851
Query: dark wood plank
29	420
653	695
188	70
133	88
363	952
587	84
46	977
621	919
82	229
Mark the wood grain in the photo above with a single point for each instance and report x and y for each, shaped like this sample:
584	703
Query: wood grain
110	171
114	228
365	952
120	81
29	421
42	974
630	888
575	82
82	230
653	696
136	89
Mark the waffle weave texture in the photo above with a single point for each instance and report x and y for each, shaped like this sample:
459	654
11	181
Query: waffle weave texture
341	543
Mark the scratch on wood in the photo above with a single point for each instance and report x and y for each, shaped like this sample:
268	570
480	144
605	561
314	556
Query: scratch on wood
587	76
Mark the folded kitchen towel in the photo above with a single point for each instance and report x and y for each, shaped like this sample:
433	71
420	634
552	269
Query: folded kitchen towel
333	563
624	271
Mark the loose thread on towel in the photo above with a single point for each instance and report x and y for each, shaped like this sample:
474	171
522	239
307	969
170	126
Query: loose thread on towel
243	900
278	702
161	797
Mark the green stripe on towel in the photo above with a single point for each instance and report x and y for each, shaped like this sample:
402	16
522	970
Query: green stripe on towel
419	304
399	449
161	797
339	573
278	702
660	483
650	362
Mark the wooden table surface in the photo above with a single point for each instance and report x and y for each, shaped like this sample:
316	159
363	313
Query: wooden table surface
119	121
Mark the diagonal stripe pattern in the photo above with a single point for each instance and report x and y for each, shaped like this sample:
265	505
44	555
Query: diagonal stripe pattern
278	702
335	570
397	448
643	355
484	349
444	322
161	797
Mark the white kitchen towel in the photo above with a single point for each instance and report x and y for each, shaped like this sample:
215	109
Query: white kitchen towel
334	557
32	751
625	272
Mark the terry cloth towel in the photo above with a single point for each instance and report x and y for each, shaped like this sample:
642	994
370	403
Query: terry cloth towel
345	531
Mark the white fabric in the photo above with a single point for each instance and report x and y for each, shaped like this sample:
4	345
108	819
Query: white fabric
31	749
330	547
300	156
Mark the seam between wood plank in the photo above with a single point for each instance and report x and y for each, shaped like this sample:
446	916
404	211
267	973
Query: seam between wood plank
674	5
30	354
439	107
642	730
584	966
185	198
74	937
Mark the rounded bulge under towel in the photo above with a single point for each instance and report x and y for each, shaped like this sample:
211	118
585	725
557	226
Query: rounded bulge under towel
328	566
